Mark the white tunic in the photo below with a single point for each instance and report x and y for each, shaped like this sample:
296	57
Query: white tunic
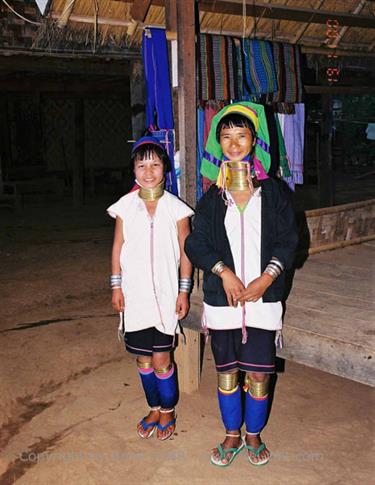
150	260
243	229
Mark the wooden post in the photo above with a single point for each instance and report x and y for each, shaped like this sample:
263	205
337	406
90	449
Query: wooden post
79	159
5	152
325	166
187	98
137	99
188	359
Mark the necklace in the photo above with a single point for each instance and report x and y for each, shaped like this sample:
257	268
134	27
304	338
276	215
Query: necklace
238	177
150	194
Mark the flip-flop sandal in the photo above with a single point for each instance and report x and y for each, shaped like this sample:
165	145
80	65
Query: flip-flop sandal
145	427
223	453
166	426
257	452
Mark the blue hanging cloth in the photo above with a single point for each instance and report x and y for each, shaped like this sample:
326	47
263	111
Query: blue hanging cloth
159	108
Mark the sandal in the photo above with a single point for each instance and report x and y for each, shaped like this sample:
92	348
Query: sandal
257	452
145	426
162	428
223	453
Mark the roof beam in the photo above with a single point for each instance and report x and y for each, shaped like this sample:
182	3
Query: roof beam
302	29
138	12
282	12
340	52
64	16
140	9
86	19
343	30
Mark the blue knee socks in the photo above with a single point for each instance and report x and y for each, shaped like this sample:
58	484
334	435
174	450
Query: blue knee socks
150	387
256	411
167	387
230	408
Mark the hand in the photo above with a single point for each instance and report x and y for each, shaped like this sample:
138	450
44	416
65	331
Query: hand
182	305
232	285
118	300
255	289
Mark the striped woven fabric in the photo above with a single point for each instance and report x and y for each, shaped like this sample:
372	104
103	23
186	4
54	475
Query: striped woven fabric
239	73
232	67
287	59
220	67
204	71
259	67
217	68
278	57
297	52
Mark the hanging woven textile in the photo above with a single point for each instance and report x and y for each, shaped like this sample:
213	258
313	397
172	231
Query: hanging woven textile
287	59
217	68
259	68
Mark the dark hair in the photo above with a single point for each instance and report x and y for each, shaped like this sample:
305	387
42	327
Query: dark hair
235	120
145	151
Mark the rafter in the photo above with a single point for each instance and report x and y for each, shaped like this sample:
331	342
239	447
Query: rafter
140	9
138	12
63	18
343	30
255	8
302	29
282	12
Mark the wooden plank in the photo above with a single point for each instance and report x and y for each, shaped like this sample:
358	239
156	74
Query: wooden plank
255	8
139	9
88	19
188	359
340	305
32	85
340	358
85	65
171	15
187	98
317	282
341	244
311	49
352	258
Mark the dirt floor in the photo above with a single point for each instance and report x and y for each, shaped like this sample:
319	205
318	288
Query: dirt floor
70	396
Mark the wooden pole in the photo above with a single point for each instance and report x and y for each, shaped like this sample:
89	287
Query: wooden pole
137	99
325	165
187	98
79	159
5	151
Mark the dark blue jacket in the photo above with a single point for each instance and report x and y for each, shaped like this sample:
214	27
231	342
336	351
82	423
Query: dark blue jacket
208	243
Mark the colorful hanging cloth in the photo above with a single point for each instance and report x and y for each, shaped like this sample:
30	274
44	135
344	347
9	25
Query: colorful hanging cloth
293	128
217	68
287	59
259	68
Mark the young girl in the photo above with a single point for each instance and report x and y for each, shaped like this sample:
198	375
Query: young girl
147	257
244	236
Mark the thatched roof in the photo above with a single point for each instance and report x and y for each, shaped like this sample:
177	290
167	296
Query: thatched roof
296	21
